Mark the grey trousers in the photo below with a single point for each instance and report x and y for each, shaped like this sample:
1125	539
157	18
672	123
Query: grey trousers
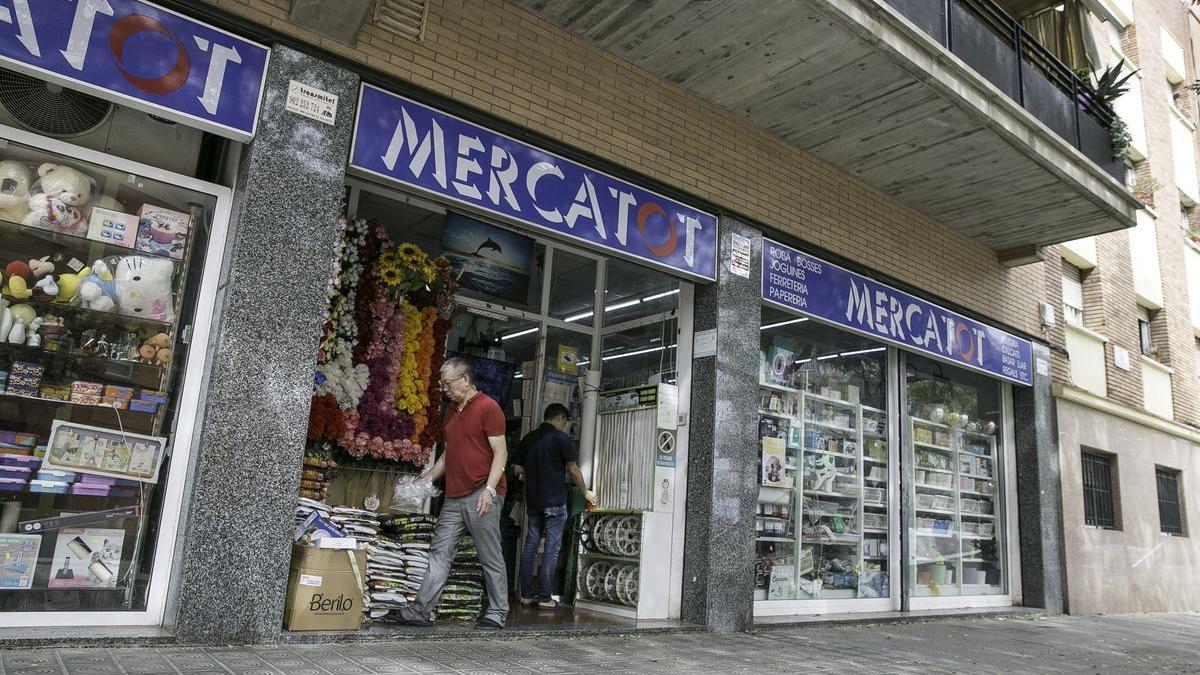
459	513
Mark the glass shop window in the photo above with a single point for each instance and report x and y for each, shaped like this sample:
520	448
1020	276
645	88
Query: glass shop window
821	531
955	480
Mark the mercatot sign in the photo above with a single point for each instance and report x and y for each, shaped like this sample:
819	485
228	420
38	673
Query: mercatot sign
140	55
824	291
426	149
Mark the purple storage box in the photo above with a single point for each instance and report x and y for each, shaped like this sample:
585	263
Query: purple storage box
55	487
13	484
17	472
26	461
64	476
143	406
91	490
98	481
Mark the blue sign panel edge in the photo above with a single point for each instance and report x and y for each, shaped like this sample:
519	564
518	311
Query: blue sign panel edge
557	235
880	338
154	108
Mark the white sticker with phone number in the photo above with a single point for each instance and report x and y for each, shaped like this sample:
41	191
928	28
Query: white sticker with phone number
310	580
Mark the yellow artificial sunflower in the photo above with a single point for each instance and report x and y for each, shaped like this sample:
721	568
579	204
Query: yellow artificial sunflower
411	255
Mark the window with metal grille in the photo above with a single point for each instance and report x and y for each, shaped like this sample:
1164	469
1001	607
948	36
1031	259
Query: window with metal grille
1098	508
1169	518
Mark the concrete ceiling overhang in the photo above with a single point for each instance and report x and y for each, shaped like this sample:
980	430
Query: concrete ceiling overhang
855	84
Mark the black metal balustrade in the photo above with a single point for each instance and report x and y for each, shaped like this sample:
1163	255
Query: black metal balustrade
995	45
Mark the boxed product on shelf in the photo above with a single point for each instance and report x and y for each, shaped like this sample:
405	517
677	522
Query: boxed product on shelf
25	378
162	231
876	521
13	484
86	393
55	392
876	448
21	473
138	405
112	227
875	495
984	529
113	391
922	435
152	396
60	476
56	487
26	461
17	439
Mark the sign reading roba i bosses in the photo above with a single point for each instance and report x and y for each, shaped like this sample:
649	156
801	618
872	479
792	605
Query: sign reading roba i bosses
798	281
140	55
423	148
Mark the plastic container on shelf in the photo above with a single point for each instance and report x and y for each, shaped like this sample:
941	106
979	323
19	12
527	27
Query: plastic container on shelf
56	487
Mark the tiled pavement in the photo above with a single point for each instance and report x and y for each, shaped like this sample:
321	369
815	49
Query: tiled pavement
1122	644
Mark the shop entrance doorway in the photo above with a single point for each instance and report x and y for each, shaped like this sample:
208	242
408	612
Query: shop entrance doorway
543	322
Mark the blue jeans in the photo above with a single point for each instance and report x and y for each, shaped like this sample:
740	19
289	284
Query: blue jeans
547	522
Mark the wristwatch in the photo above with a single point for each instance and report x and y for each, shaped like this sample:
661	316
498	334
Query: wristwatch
491	490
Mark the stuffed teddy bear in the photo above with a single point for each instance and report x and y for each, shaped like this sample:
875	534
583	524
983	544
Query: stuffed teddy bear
14	191
156	350
17	274
56	199
144	287
98	290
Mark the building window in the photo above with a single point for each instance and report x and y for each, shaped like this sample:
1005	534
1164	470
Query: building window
1098	497
1169	517
1072	294
1145	334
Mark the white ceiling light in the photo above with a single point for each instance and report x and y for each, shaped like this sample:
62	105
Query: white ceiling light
782	323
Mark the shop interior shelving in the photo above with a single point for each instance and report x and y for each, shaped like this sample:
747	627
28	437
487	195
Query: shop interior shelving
953	495
828	523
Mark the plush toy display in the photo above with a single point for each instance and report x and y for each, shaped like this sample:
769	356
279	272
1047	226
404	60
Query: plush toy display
44	288
22	317
98	290
16	285
57	198
144	287
156	350
14	191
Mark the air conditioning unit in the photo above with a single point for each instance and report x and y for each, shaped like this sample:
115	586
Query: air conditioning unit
81	119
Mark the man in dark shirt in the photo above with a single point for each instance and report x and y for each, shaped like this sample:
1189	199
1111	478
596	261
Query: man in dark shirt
545	456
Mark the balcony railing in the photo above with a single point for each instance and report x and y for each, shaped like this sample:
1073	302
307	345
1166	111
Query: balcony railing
995	45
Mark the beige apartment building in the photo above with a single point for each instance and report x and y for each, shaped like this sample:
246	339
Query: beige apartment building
1128	397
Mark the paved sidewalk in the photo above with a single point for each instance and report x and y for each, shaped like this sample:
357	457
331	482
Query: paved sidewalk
1165	643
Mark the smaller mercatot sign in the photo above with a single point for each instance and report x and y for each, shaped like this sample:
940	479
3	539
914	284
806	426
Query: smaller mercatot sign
797	281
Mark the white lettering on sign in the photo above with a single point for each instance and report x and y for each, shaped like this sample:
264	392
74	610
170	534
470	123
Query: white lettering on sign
308	101
893	317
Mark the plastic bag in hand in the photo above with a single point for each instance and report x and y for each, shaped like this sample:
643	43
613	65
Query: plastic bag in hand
410	493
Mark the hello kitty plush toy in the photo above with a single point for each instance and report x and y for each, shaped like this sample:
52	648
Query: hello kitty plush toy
143	287
57	198
14	191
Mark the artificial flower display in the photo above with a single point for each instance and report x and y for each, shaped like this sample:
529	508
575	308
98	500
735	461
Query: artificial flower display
389	311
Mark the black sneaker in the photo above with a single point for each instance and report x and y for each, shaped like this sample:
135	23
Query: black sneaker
488	624
420	623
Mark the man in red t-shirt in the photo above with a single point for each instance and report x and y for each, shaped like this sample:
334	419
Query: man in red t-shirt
473	465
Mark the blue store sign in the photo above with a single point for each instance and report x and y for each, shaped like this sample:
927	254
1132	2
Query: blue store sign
140	55
419	147
798	281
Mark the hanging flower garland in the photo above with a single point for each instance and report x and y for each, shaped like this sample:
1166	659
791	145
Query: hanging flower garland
389	312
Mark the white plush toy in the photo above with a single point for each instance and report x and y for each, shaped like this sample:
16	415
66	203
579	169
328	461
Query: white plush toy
14	191
98	289
57	198
143	287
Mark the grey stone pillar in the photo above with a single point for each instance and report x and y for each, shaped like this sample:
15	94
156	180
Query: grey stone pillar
723	449
235	537
1039	491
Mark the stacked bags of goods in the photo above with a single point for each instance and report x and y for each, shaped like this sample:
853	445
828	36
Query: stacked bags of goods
462	600
314	478
397	562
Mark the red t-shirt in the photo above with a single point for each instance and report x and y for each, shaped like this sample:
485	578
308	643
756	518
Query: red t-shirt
468	453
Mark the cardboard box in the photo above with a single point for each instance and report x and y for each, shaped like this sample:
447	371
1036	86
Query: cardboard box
113	391
325	589
113	227
163	231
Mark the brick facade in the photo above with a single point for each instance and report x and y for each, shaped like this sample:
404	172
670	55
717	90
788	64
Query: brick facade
498	58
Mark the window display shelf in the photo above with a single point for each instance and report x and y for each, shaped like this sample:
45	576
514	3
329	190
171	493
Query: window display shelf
843	455
788	540
778	387
968	453
935	535
872	434
95	317
830	425
777	415
56	402
116	371
931	446
978	494
875	505
872	460
840	540
930	468
824	493
877	411
936	488
832	401
978	476
874	530
978	537
30	242
928	423
947	512
984	516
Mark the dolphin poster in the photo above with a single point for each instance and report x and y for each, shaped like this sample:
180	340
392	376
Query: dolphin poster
493	261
